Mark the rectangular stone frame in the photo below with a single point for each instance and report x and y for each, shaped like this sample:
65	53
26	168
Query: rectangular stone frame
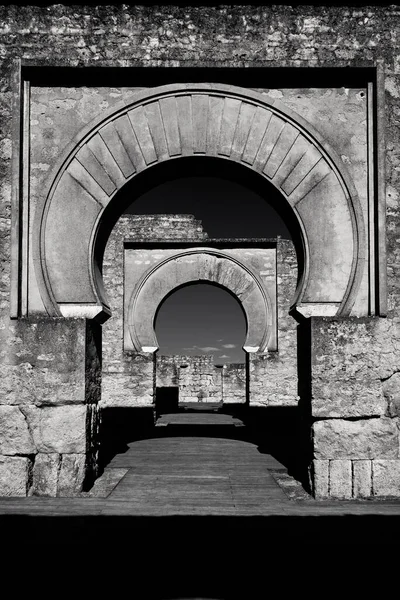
374	81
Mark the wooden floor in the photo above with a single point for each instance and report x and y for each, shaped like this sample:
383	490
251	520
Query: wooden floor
181	480
194	474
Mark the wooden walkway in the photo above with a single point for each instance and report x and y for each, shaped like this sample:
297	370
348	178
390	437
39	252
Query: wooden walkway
182	481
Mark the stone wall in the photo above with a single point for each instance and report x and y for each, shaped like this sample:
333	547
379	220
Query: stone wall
200	380
273	376
355	406
222	36
128	377
48	408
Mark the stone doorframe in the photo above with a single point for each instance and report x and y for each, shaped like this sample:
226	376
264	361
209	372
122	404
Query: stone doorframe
212	120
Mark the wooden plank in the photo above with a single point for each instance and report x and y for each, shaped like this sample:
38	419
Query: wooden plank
171	127
117	149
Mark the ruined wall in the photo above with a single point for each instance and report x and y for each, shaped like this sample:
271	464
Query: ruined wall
225	36
201	379
128	377
355	406
48	407
273	376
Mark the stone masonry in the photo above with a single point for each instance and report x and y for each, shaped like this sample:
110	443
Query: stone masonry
344	372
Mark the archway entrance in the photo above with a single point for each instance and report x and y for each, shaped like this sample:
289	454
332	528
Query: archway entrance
139	144
201	330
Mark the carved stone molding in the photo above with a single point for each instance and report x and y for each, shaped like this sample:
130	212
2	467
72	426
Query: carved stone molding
212	120
200	265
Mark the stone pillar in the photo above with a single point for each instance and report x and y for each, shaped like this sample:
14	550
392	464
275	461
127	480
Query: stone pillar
355	402
49	390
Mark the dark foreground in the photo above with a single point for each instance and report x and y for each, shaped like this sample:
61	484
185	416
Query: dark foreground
201	500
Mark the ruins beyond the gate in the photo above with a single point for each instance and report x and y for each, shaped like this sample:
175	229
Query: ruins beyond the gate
298	104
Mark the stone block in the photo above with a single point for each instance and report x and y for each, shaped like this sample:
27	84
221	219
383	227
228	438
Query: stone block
354	398
60	429
46	365
350	359
386	477
15	437
321	479
14	474
364	439
391	392
362	478
45	475
120	389
72	474
340	479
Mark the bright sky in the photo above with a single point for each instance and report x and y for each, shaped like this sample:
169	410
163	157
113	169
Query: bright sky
202	319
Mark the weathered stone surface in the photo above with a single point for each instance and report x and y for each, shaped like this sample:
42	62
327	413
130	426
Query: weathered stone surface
391	392
200	380
188	265
362	478
350	360
57	429
45	364
321	478
120	389
45	475
15	437
364	439
354	398
14	475
72	474
386	477
340	479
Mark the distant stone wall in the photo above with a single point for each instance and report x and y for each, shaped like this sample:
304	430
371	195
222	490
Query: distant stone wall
48	409
128	377
355	405
201	380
